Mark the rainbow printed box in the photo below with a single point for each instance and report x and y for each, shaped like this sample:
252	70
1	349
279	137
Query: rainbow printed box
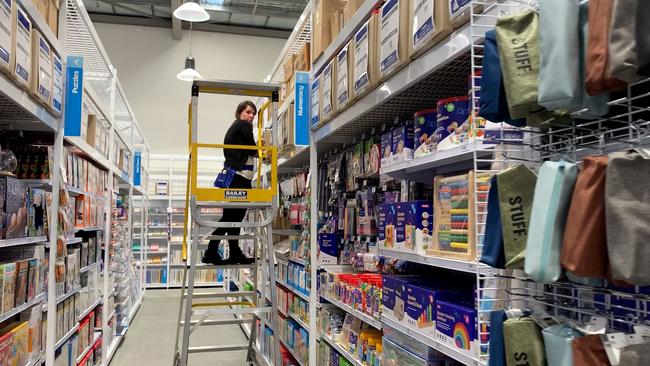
456	327
421	308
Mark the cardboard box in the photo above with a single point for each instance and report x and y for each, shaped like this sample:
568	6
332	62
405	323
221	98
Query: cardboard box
53	16
92	132
393	37
41	85
22	49
287	135
456	326
425	138
302	61
327	95
42	7
391	226
7	19
393	296
430	24
56	102
364	58
321	33
288	70
336	23
420	308
343	78
315	101
418	226
403	143
460	12
13	208
350	9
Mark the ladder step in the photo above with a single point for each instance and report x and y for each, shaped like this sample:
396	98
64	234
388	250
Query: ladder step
215	266
203	349
228	237
229	311
253	205
208	295
219	322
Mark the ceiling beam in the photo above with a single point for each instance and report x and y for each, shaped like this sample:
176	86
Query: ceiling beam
166	23
177	32
259	9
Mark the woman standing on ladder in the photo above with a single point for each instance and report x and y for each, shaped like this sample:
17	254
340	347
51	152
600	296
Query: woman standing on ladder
242	162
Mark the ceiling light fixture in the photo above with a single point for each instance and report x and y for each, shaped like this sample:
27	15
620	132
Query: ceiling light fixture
191	12
189	73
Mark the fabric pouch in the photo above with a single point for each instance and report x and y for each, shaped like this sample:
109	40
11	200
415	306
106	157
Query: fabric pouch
559	55
557	342
493	254
519	56
642	32
516	186
493	102
627	211
523	343
497	350
584	249
589	351
596	104
622	41
598	79
551	201
225	177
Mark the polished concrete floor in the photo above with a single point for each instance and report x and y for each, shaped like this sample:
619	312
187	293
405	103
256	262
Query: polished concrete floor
150	339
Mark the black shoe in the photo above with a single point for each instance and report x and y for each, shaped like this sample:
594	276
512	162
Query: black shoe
214	260
240	258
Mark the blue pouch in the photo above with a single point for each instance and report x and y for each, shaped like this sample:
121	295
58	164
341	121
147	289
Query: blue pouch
225	177
497	344
493	254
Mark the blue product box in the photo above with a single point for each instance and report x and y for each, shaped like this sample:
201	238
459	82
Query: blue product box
421	307
382	210
328	248
456	327
393	296
291	327
387	148
403	143
390	226
418	226
400	227
425	139
452	122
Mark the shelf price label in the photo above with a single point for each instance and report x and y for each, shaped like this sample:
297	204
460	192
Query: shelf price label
301	125
74	75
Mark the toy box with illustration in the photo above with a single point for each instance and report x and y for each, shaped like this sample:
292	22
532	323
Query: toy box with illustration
393	296
452	122
403	143
424	132
382	211
389	224
366	221
400	226
418	226
387	148
13	206
420	308
328	248
456	326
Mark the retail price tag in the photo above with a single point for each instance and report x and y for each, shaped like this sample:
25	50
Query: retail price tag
596	325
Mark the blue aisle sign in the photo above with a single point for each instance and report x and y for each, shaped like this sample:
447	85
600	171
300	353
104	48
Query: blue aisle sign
74	75
137	166
301	125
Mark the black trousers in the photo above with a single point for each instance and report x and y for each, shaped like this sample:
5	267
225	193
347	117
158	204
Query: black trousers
230	215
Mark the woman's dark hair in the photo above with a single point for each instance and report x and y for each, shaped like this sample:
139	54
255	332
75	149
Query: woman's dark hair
242	107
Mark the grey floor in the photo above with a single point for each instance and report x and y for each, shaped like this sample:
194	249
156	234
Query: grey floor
150	339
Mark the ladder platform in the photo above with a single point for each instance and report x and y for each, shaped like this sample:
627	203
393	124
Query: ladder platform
234	204
209	295
233	311
218	322
216	266
229	87
204	349
228	237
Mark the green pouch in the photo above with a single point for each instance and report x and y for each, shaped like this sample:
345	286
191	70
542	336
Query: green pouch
516	190
519	55
524	345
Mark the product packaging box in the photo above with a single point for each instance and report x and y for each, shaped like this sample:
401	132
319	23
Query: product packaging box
328	248
400	226
393	37
382	211
350	8
336	23
287	129
53	15
41	84
364	58
420	308
315	101
393	296
302	60
343	77
403	143
387	148
456	326
430	24
7	18
22	49
452	122
390	228
425	139
56	102
328	83
321	33
418	224
13	206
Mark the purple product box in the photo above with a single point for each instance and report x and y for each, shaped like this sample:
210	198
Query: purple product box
418	226
390	225
403	143
328	248
393	296
456	326
13	208
400	227
382	210
421	307
386	148
424	132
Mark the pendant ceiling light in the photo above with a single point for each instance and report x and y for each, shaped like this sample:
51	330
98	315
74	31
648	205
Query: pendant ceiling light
191	12
189	73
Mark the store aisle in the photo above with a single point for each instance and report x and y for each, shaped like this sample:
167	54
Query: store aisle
150	340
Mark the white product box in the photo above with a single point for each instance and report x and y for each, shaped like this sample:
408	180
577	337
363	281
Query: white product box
56	102
343	82
7	25
393	37
327	80
41	68
22	48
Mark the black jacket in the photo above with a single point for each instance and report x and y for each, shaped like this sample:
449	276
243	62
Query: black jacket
239	133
